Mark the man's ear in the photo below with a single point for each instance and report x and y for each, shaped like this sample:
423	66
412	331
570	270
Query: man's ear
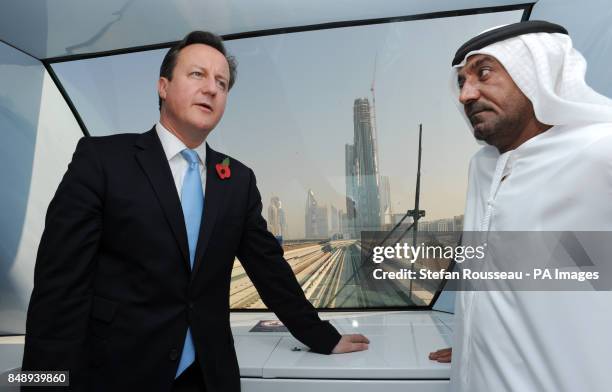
162	86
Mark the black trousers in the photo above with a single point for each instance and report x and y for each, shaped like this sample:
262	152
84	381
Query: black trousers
191	380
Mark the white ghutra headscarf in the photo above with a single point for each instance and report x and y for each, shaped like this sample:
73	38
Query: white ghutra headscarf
551	74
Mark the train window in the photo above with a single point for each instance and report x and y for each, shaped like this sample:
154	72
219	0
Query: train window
329	121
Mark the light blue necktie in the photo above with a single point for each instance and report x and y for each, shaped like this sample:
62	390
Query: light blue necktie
192	200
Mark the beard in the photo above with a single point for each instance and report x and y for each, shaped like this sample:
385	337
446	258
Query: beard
491	129
495	129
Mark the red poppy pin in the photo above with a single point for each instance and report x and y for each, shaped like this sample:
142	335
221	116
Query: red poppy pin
223	169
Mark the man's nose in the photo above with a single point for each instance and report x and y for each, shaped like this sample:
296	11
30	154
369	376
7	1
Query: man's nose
209	86
468	93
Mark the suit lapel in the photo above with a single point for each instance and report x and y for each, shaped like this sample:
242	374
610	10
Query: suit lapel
214	197
153	161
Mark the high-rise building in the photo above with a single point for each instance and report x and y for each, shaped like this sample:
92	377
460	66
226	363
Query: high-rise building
351	189
322	225
343	226
386	210
334	221
311	215
361	169
277	223
458	223
316	219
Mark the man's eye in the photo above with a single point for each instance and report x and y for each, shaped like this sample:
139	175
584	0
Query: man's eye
197	74
483	72
222	85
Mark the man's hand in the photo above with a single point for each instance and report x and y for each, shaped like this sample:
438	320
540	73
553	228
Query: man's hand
444	355
350	343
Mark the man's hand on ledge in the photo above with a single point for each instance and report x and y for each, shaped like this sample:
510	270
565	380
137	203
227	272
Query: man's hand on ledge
443	355
350	343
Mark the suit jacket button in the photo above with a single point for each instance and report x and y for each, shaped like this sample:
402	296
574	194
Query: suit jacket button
174	354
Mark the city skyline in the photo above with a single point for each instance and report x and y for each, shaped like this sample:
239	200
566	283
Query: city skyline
277	221
309	114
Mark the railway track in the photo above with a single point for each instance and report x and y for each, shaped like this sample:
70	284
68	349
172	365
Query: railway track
332	275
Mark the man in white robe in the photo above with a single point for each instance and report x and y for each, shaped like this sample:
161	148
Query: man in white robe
547	167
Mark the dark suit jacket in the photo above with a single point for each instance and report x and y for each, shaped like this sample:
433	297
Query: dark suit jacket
113	291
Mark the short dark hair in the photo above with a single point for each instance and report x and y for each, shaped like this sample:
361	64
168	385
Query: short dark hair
196	37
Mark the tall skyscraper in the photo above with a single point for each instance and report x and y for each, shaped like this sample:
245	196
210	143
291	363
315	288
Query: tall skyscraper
342	224
311	215
362	171
386	210
351	189
322	227
316	219
277	223
458	223
334	221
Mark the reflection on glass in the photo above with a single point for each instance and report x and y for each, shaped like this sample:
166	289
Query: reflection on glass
329	121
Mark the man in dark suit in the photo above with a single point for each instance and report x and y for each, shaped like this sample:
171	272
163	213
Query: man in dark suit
133	270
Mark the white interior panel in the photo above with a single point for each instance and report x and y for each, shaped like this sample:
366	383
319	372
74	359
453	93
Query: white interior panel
38	139
21	79
53	28
283	385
